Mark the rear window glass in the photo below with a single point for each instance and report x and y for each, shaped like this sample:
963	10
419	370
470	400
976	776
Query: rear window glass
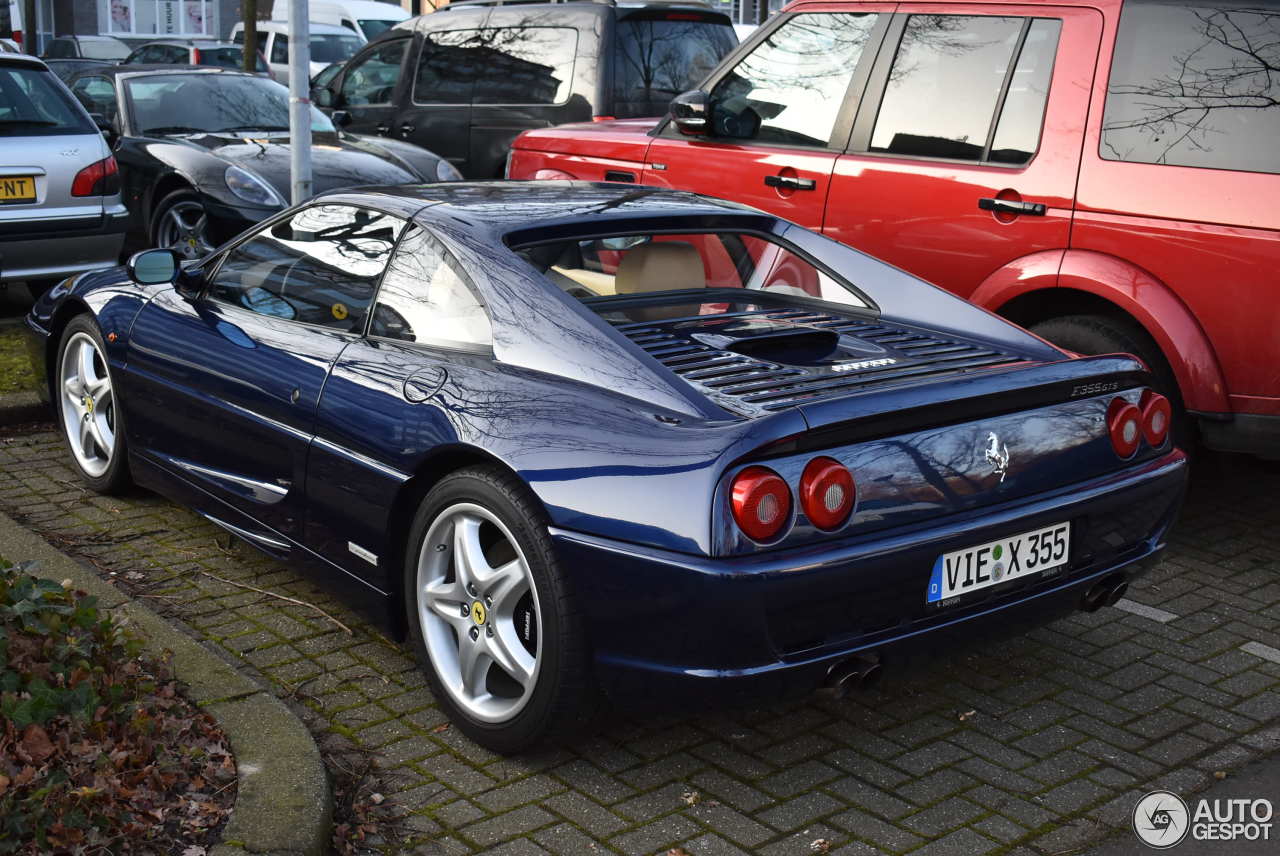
704	263
227	57
660	55
34	104
1195	85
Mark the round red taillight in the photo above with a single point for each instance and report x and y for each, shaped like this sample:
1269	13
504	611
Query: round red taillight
761	503
826	493
1157	414
1124	422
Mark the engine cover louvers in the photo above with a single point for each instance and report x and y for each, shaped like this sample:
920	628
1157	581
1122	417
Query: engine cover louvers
871	354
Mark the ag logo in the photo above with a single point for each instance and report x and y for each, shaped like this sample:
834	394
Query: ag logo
1161	819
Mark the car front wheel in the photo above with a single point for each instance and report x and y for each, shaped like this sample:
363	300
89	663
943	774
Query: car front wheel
89	408
491	613
181	224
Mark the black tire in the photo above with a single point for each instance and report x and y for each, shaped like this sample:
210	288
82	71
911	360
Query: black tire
1104	334
562	696
182	197
115	479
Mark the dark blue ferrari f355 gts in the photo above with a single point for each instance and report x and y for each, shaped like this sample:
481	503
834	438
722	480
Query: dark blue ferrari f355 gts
577	437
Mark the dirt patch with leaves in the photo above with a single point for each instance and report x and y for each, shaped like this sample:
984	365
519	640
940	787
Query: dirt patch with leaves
99	751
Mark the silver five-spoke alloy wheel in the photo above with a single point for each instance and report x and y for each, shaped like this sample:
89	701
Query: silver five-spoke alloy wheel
472	583
88	405
184	228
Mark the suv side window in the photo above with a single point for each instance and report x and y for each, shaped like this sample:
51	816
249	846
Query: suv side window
446	72
524	65
790	88
97	94
372	78
953	74
1195	86
320	266
426	298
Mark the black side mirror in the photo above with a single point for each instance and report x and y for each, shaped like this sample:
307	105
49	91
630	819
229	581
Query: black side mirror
341	118
691	112
154	267
322	96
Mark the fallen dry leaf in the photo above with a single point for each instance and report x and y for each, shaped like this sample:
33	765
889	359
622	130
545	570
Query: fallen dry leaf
376	798
34	745
678	851
967	714
1217	774
820	845
691	797
444	726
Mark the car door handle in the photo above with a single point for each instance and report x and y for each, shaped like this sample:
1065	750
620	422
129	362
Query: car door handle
790	182
406	129
382	129
1009	206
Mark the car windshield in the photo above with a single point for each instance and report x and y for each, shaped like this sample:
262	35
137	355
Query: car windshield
211	102
333	47
34	104
227	56
375	27
601	270
113	49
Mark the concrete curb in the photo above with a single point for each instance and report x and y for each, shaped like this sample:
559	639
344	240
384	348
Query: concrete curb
19	407
283	806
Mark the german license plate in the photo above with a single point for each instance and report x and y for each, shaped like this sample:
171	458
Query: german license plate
1015	557
17	188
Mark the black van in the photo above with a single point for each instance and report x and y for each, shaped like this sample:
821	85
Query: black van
466	80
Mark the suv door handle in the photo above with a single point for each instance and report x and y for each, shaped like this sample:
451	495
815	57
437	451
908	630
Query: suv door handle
1009	206
790	182
406	129
382	129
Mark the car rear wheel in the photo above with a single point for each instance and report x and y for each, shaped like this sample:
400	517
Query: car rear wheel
491	614
1103	334
89	408
182	225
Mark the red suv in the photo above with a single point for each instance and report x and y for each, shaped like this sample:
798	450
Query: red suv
1106	174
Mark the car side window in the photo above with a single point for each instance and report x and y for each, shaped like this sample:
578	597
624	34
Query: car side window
280	48
60	49
426	298
97	95
953	73
371	79
320	266
790	88
446	72
1195	85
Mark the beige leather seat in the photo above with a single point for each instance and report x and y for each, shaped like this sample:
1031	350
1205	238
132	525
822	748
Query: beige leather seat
660	266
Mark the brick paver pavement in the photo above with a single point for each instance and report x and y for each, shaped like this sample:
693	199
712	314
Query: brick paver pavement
1042	744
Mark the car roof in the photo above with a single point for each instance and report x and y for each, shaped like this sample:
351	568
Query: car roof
519	209
190	43
314	29
22	59
143	69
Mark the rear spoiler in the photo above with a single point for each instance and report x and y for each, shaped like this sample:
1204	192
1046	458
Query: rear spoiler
987	392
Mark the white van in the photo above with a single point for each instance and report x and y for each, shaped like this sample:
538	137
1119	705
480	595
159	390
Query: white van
369	18
329	44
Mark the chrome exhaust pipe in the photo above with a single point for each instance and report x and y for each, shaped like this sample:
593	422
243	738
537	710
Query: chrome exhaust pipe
854	673
1116	592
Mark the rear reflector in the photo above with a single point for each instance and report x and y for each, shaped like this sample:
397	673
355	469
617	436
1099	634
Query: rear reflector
1157	414
826	493
97	179
1124	423
761	503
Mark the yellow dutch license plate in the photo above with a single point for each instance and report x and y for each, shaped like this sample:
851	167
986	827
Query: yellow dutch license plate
17	188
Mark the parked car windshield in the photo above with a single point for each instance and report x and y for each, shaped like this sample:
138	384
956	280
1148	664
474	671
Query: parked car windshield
34	104
112	49
661	54
651	264
374	27
210	102
333	47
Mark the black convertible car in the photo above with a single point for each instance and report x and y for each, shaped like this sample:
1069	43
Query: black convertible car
204	153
